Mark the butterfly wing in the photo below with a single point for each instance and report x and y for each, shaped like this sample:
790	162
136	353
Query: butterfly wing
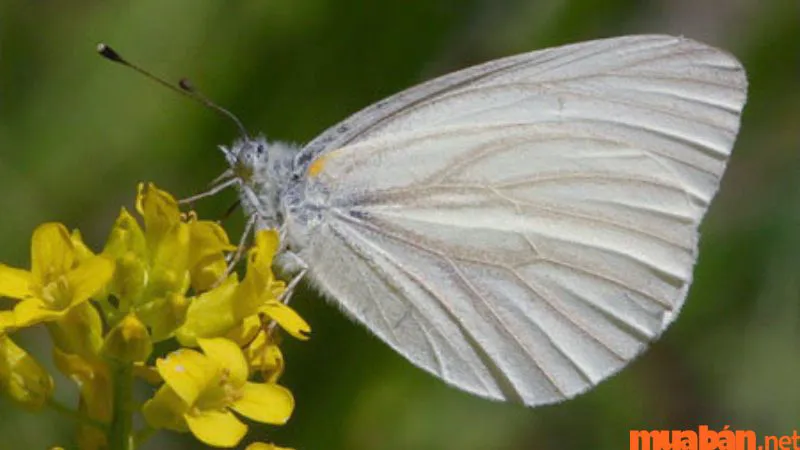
522	229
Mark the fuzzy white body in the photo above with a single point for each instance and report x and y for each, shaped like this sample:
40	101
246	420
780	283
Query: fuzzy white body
521	229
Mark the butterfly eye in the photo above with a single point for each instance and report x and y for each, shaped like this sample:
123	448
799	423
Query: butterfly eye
260	150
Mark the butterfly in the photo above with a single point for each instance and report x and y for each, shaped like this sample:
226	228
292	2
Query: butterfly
521	229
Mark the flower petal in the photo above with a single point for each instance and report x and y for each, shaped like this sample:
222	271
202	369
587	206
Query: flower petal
259	277
208	272
129	280
208	238
229	356
7	321
128	341
246	331
265	403
21	377
163	315
78	331
82	251
32	311
219	428
265	357
159	210
171	251
89	278
166	410
52	252
187	372
211	314
126	236
15	283
288	319
267	242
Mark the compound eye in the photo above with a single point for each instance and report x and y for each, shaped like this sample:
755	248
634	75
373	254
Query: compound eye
260	150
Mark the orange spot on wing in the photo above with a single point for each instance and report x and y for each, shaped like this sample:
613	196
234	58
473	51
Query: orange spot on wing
316	167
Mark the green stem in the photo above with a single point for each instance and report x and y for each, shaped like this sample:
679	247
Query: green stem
66	411
120	436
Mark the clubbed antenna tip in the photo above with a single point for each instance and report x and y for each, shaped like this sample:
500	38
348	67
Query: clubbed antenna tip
184	86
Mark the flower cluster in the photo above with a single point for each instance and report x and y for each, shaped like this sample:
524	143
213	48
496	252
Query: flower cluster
168	280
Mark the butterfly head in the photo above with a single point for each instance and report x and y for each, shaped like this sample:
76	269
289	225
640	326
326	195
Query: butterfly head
262	170
248	159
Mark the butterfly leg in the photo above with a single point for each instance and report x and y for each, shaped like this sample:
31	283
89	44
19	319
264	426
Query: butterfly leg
237	256
215	189
233	260
290	262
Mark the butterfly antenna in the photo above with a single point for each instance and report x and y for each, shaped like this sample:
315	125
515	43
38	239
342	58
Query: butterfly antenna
184	86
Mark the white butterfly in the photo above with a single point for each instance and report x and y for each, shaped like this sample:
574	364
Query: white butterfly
522	228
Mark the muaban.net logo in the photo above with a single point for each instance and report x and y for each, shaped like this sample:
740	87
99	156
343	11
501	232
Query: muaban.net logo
706	439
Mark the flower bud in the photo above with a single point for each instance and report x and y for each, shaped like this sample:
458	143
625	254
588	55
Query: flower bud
21	377
128	341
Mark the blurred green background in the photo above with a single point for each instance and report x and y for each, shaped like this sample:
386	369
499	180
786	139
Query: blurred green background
77	134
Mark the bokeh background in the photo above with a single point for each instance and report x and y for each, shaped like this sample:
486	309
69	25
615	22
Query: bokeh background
77	134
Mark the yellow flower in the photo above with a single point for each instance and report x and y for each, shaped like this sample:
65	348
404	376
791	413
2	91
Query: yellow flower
21	377
79	331
61	277
158	264
210	314
128	341
260	291
218	311
202	390
153	273
260	348
126	244
161	275
287	318
259	283
207	263
264	355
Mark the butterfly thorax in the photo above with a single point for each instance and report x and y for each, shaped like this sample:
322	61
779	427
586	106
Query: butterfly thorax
263	170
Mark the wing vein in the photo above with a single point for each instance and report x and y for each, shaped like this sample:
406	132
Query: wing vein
506	329
418	243
424	193
422	284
